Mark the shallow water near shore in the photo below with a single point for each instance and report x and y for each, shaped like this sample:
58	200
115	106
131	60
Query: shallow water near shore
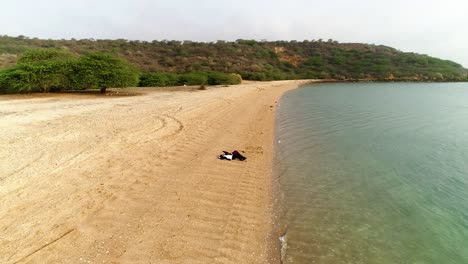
374	173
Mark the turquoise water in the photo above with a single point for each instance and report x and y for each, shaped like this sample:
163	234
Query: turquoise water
374	173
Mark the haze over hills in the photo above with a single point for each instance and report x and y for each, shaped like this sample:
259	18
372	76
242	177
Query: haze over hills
256	60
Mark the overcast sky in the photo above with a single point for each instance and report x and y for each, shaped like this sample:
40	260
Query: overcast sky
437	28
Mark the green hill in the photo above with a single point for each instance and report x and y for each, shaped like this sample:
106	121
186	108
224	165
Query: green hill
269	60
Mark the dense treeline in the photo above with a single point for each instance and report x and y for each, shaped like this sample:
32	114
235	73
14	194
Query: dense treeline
257	60
197	78
54	70
49	70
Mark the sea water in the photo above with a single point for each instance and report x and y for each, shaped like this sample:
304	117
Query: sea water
374	173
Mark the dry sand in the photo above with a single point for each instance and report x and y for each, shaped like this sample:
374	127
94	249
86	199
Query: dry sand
136	179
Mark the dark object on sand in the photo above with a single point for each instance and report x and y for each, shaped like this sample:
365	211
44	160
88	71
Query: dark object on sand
231	156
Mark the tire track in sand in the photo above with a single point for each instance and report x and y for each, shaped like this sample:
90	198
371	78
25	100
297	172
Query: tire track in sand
168	199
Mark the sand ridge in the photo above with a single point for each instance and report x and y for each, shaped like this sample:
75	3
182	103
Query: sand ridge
136	179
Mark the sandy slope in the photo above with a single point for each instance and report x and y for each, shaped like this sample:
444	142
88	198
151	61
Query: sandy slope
136	179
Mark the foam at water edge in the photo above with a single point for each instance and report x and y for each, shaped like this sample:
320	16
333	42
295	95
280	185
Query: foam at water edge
284	245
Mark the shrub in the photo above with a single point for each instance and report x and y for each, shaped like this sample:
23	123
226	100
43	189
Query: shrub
158	79
193	79
215	78
257	76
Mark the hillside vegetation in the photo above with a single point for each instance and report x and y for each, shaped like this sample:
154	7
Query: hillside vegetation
255	60
52	70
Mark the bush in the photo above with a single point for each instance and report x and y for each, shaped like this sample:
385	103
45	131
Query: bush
256	76
215	78
158	79
193	79
199	78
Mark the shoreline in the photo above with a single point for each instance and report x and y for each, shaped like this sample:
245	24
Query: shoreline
137	178
278	229
277	240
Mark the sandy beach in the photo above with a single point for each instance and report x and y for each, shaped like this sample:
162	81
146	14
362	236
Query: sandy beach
96	179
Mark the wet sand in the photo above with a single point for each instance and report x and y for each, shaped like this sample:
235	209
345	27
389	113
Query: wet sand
92	179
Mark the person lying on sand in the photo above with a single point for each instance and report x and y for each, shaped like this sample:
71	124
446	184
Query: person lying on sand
231	156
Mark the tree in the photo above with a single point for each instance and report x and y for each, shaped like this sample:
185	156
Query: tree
16	80
38	71
102	71
44	55
52	70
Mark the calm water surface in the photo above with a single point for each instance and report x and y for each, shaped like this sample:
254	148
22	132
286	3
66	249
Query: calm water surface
374	173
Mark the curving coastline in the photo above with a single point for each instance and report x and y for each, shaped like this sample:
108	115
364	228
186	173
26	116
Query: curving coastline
136	179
